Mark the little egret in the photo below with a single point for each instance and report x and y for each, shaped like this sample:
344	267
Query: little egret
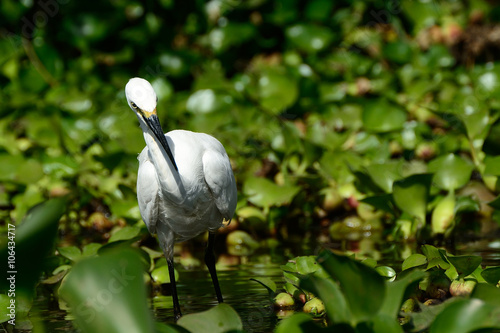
185	184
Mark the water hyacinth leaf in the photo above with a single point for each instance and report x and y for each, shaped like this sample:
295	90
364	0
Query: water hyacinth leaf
384	174
492	165
362	286
397	290
487	293
382	323
265	193
277	91
465	265
337	308
267	283
450	172
300	323
434	257
382	116
415	260
465	316
114	283
125	233
161	274
382	202
90	249
491	275
70	252
308	37
410	195
34	239
221	318
306	265
4	304
386	271
443	214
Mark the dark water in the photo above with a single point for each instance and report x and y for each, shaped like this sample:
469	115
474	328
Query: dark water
248	298
196	293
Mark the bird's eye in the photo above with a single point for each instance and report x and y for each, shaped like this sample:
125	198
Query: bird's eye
134	105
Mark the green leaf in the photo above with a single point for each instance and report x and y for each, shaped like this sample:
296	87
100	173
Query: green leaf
277	91
382	116
487	293
329	292
301	323
466	316
5	303
267	283
492	165
451	172
414	260
34	239
161	274
396	290
383	202
220	319
70	252
491	275
306	265
90	249
125	233
384	323
99	288
410	195
265	193
362	286
308	37
434	257
465	265
385	174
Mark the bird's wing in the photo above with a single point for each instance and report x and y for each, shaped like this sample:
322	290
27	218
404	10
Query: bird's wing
147	192
220	180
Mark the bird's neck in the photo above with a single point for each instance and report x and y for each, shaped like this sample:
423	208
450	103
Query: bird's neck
169	180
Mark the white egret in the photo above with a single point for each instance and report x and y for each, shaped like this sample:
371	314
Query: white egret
185	184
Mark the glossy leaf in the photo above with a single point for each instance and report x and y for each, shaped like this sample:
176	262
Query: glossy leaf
414	260
125	233
269	284
466	316
465	265
396	290
221	318
410	195
100	287
487	293
264	193
355	280
382	116
299	323
491	275
451	172
384	174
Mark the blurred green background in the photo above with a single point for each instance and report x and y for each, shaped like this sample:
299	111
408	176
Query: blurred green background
342	119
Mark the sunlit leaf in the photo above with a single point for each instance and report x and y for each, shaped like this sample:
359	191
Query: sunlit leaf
450	172
308	37
221	318
264	193
99	288
71	252
410	194
125	233
434	257
382	116
414	260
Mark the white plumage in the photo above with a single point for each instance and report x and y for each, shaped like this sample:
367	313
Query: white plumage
185	183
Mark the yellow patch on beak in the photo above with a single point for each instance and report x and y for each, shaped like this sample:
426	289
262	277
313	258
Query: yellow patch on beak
149	114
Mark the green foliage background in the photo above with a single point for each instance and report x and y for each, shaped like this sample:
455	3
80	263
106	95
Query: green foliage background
319	104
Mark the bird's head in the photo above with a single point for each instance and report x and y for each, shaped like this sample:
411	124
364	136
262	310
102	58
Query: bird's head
141	97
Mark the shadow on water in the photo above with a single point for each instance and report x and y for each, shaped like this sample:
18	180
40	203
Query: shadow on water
247	297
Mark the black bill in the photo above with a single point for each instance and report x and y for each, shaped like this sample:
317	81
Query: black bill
154	124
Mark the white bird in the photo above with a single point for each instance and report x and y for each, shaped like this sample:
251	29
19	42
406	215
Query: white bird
185	184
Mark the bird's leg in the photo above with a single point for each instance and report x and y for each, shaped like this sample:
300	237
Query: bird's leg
175	299
210	262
